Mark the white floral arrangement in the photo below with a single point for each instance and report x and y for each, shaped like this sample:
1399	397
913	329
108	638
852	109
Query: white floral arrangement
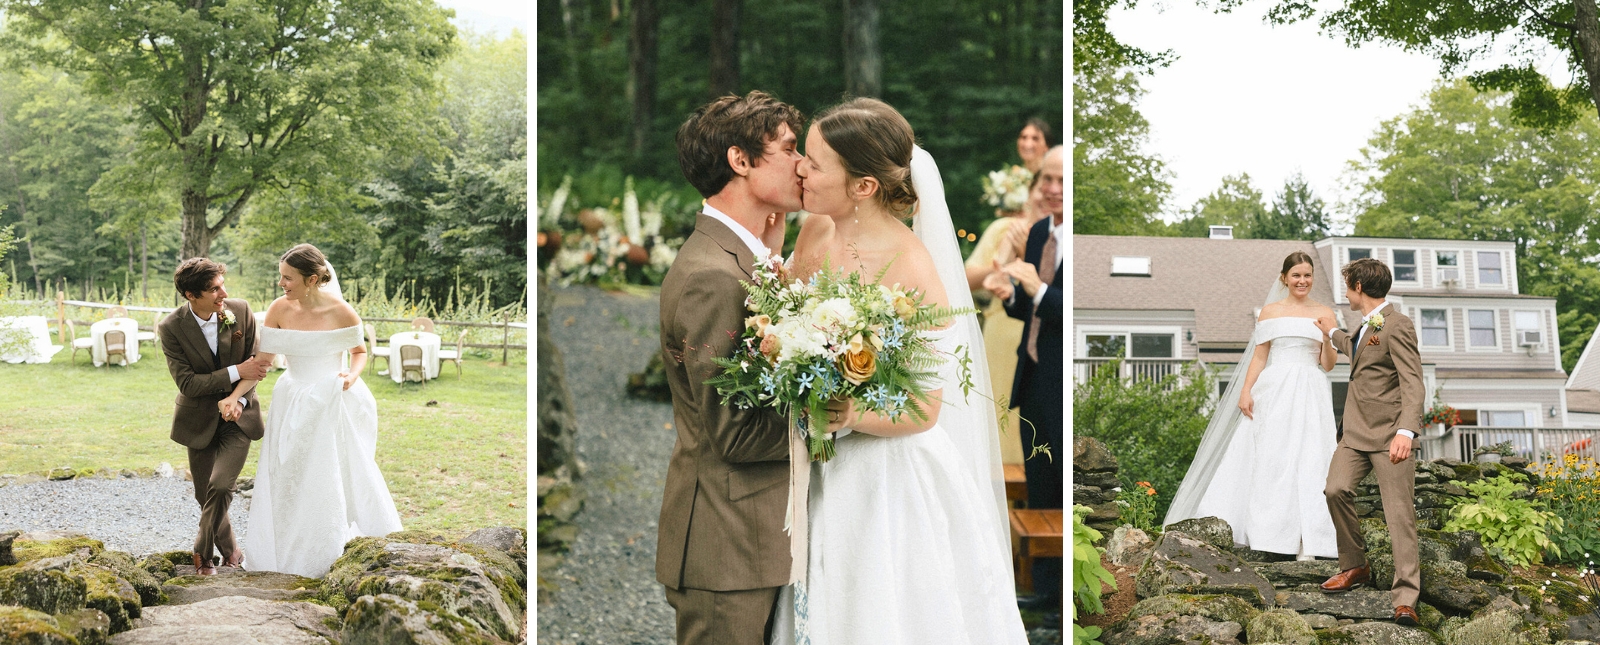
1007	188
609	240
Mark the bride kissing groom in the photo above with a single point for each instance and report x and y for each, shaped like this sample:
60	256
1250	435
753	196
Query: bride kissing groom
906	540
1272	463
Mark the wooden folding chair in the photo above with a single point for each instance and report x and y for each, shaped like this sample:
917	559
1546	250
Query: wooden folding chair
454	355
411	362
86	343
375	351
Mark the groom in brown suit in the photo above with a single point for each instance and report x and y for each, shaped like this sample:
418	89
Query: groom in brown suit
721	550
1382	411
208	343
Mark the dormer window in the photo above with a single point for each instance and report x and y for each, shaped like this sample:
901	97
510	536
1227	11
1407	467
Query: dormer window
1447	268
1357	254
1127	265
1489	269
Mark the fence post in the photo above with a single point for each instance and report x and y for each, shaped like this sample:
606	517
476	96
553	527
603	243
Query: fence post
61	317
505	340
1538	447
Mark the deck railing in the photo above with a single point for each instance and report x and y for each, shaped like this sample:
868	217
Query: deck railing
1537	445
1137	369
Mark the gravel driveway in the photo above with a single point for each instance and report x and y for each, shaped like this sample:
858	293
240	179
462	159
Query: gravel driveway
608	594
140	516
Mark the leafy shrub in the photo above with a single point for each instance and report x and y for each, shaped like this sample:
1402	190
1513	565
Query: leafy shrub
1517	527
1152	426
1088	575
1137	507
1571	489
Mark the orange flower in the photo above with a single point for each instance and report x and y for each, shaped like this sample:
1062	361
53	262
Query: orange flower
1150	491
859	362
1144	484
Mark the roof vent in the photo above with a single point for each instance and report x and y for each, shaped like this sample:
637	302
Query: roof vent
1124	265
1222	232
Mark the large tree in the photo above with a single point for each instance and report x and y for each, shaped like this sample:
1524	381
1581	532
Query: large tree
1235	203
1457	32
1117	187
1296	214
243	96
1458	168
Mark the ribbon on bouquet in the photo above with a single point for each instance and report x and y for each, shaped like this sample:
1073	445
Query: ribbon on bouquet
795	521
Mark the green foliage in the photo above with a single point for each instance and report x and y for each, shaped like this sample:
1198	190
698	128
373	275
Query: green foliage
1570	487
1089	576
1152	426
1519	528
1136	506
1459	32
1296	214
1117	187
1460	168
248	98
966	75
1085	635
1235	203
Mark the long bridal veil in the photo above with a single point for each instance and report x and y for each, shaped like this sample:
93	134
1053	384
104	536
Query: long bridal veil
1219	432
968	416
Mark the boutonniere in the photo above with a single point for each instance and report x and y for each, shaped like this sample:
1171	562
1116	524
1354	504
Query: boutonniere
228	317
1375	323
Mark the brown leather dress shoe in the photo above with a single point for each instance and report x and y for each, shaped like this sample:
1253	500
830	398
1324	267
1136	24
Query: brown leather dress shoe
1349	579
202	567
237	561
1405	615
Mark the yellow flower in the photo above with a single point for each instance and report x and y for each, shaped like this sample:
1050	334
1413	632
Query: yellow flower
760	323
859	362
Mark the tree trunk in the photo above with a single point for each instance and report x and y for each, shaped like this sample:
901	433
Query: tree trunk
863	59
144	262
724	47
642	69
1587	35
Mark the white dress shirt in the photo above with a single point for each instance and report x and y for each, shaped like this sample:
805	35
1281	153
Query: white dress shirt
209	328
749	239
1360	337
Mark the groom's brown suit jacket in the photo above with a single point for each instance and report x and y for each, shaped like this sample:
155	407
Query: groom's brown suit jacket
722	512
195	418
1386	388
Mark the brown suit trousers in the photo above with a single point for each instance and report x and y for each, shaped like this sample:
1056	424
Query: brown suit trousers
217	449
1385	395
721	550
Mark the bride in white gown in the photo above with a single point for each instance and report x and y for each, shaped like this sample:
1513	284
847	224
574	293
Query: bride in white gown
1263	462
908	541
317	483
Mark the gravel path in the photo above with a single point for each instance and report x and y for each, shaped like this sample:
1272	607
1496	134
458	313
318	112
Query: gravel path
608	593
139	516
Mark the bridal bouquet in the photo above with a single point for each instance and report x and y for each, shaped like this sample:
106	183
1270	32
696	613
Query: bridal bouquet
834	337
1007	188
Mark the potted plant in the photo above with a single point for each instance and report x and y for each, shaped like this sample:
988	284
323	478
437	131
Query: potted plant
1494	453
1442	417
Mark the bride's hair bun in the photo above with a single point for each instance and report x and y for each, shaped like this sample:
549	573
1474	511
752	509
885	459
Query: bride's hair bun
309	261
874	140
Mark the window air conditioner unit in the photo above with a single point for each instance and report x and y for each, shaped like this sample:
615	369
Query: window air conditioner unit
1530	338
1449	276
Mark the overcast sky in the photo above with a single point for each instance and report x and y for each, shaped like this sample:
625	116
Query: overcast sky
1244	96
497	16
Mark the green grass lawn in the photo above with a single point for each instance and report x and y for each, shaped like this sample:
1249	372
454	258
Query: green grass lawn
455	466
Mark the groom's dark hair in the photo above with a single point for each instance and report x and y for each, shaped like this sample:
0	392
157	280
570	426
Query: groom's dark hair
194	276
748	121
1370	276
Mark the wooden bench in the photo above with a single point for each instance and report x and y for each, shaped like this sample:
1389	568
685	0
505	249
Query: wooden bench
1016	483
1039	534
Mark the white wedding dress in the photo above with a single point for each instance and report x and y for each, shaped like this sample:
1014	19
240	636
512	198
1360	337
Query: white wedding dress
317	482
1269	483
908	541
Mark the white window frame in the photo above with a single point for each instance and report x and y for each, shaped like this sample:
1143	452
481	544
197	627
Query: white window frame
1531	412
1460	267
1416	265
1477	270
1372	252
1466	327
1449	333
1085	331
1542	327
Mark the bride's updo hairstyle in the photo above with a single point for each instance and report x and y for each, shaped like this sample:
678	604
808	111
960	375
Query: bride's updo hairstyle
309	261
874	141
1295	259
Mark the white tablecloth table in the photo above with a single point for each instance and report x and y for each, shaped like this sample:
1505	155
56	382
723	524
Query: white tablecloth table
429	342
35	346
130	342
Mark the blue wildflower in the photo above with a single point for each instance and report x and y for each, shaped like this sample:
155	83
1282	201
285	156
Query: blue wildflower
805	381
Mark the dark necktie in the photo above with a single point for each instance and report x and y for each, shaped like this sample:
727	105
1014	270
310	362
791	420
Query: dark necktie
1355	348
1047	272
